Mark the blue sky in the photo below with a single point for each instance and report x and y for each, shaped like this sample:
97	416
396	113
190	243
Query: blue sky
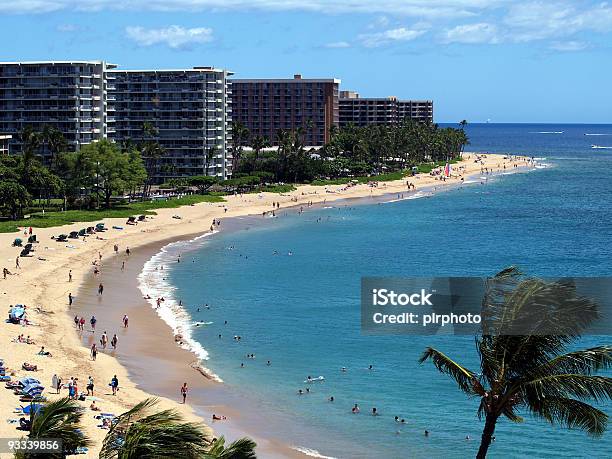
508	61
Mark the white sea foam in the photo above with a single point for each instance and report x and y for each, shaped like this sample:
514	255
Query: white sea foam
417	195
311	452
547	132
152	281
600	147
596	134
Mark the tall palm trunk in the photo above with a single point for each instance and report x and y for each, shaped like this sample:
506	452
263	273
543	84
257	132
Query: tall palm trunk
487	436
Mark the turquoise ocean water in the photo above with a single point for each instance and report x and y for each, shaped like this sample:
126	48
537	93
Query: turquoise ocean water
301	311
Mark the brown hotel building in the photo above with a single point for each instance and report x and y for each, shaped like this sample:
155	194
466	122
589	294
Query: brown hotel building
264	106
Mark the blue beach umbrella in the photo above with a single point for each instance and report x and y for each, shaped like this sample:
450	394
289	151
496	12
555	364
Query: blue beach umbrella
34	406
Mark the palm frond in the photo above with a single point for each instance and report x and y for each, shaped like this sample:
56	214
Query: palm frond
573	414
598	388
466	379
243	448
60	419
138	433
586	362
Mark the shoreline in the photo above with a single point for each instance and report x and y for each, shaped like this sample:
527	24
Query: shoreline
45	283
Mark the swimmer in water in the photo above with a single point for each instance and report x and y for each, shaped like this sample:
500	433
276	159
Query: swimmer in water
355	409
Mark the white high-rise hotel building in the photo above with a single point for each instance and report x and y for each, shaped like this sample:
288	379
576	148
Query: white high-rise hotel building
189	110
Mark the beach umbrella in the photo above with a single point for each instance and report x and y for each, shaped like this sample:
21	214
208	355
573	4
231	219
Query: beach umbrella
34	406
32	387
27	381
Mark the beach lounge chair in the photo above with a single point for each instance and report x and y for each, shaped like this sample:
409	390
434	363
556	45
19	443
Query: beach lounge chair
17	242
29	366
29	247
62	238
82	232
24	253
73	235
32	239
100	227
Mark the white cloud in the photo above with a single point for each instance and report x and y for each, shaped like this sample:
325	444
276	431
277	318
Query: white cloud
471	33
569	46
338	44
531	21
173	36
374	40
421	8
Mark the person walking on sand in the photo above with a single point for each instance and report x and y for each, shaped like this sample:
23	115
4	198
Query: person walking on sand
100	289
17	263
90	386
114	341
94	352
125	321
127	251
114	384
184	391
70	276
70	299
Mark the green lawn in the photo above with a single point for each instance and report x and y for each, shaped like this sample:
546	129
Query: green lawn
70	216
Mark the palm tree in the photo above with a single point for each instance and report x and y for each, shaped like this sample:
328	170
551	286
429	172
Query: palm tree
258	143
55	141
140	432
240	134
31	141
534	371
243	448
60	419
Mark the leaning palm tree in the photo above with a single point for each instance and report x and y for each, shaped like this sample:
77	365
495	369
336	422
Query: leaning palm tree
60	419
144	433
243	448
524	367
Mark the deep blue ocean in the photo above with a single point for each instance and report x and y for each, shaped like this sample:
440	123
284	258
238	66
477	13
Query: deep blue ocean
302	311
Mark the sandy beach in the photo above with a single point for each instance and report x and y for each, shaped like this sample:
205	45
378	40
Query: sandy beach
146	351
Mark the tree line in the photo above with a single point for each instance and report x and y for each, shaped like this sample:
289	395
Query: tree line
89	177
351	151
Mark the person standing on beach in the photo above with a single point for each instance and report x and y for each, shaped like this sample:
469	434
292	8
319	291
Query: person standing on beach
94	352
127	251
125	321
104	340
54	380
116	248
17	263
100	289
184	391
93	321
82	324
70	299
114	384
122	265
70	276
